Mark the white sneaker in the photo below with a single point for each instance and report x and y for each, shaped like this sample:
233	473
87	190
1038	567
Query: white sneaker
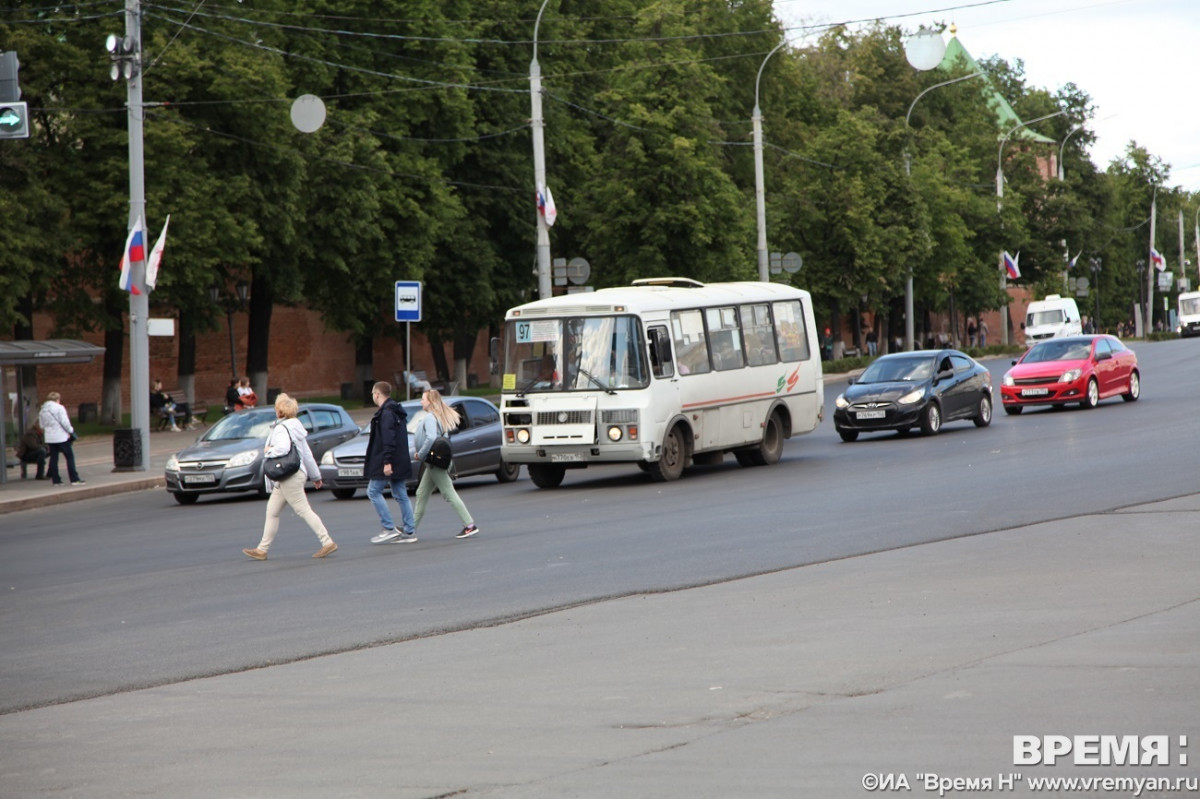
175	428
385	536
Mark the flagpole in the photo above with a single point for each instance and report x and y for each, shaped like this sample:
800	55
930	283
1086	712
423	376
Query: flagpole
1153	267
139	303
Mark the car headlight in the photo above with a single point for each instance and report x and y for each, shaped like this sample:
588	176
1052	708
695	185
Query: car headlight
1008	379
327	458
173	463
841	401
1070	376
913	396
244	458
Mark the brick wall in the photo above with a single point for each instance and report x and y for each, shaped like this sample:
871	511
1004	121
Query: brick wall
306	359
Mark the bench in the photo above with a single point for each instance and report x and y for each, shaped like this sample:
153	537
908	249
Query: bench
194	415
418	383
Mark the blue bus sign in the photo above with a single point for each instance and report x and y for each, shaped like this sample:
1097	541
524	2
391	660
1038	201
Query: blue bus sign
408	301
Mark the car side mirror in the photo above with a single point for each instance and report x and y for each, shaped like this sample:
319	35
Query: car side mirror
1103	356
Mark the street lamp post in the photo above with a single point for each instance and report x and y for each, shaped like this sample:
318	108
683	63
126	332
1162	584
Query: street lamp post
760	198
908	280
999	199
1062	147
537	123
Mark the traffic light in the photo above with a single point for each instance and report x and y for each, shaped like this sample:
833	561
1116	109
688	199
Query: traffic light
14	121
14	115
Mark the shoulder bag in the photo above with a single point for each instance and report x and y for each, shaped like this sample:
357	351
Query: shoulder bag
281	466
440	453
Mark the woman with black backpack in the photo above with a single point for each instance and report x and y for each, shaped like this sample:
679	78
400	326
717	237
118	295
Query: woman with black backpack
439	420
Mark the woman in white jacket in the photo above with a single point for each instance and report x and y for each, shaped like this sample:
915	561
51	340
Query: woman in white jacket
285	434
59	434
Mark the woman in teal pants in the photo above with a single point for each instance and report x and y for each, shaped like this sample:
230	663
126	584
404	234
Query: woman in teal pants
438	420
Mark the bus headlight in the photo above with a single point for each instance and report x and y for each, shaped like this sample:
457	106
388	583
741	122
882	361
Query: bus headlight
523	436
614	433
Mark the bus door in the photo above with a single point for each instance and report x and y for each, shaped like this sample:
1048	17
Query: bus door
665	391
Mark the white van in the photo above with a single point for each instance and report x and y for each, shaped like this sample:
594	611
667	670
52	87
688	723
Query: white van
1050	318
1189	313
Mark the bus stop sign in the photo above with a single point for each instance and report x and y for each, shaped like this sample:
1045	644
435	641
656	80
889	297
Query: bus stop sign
408	301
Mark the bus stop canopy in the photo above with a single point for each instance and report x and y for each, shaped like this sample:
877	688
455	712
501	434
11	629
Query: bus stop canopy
34	353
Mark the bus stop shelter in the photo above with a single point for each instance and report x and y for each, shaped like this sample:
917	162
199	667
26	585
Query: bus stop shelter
33	353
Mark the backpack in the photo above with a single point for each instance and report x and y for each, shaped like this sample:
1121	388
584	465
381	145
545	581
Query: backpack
440	453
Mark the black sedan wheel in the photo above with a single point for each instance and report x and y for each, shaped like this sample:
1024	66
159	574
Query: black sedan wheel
984	417
931	419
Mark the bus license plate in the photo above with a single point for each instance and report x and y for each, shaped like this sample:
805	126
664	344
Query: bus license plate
566	457
199	479
871	415
350	472
1034	392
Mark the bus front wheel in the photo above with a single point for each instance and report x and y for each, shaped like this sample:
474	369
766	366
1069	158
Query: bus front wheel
546	476
674	453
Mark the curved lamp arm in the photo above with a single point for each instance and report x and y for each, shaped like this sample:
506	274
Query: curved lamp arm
936	86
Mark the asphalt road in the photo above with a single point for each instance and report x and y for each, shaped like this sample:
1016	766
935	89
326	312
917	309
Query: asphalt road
134	591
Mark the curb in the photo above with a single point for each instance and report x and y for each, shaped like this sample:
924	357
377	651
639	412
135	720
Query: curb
69	494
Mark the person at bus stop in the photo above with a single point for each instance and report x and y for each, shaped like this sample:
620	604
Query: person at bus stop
387	464
231	397
286	433
439	419
827	345
246	396
32	449
162	405
59	434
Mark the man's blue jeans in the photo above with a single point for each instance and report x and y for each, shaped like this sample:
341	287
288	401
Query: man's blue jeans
375	494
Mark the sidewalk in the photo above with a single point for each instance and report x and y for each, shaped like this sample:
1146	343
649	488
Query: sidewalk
94	461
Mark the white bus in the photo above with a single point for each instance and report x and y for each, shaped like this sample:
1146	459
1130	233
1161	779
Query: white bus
665	373
1189	313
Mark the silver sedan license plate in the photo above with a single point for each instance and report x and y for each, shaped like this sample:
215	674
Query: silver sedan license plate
199	479
351	472
870	415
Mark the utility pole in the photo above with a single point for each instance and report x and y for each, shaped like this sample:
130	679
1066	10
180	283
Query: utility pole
538	124
1151	268
128	63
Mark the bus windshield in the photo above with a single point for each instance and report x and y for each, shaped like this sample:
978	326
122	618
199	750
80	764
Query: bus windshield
575	354
1189	306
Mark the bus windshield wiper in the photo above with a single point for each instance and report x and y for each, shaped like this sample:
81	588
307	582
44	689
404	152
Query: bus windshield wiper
529	383
592	377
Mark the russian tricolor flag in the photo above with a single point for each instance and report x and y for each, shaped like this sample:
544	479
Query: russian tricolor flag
135	251
1010	265
1157	259
545	204
1071	263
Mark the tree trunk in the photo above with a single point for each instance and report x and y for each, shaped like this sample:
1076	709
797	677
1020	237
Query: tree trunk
110	400
187	358
259	339
438	350
364	366
464	350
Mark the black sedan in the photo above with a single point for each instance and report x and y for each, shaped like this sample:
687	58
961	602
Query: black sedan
228	457
910	389
476	445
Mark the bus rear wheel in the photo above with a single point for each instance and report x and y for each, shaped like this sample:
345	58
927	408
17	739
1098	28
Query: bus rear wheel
770	449
674	454
546	476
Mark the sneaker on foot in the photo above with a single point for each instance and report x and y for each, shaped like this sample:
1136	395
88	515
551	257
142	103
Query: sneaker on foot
404	538
78	483
468	531
257	554
328	549
385	536
175	428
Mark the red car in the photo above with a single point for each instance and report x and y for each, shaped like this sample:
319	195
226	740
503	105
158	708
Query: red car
1083	369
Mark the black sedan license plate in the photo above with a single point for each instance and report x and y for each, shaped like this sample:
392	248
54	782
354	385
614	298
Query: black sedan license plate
870	415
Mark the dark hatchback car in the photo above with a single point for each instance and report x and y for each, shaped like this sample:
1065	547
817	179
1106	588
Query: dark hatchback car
476	445
228	457
922	389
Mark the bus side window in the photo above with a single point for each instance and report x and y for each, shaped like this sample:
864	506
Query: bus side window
789	331
724	339
660	352
691	343
760	335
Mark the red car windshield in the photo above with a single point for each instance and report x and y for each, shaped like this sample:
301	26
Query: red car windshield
1058	351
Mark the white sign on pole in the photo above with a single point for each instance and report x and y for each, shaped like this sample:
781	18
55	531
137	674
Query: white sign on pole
408	301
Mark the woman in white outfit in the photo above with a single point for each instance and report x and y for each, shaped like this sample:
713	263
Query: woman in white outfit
291	488
58	434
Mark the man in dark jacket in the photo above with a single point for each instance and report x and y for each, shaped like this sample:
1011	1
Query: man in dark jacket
388	463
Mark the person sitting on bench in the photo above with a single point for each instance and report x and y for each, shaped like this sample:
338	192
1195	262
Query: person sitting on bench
161	405
32	449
